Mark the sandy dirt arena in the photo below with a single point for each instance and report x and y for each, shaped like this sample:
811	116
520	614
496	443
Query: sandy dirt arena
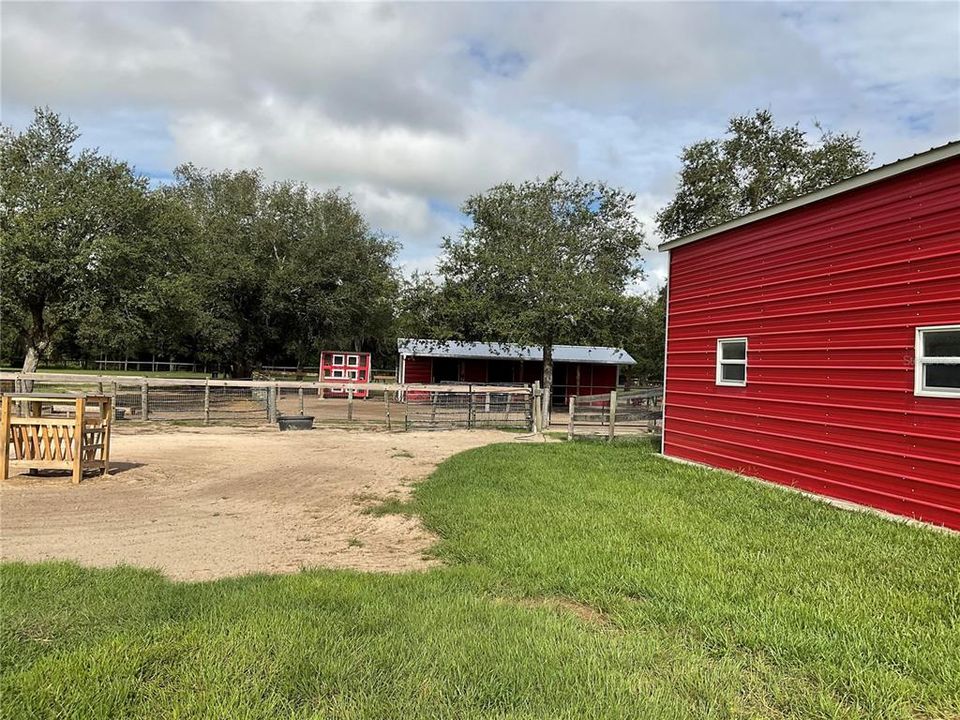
202	503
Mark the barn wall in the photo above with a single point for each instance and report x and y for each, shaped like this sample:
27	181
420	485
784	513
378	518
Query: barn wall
417	370
474	371
828	296
603	378
594	378
531	372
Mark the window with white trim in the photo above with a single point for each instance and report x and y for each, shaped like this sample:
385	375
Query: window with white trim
353	360
937	367
338	374
352	374
337	360
732	361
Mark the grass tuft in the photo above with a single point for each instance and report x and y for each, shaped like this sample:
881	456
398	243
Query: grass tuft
391	506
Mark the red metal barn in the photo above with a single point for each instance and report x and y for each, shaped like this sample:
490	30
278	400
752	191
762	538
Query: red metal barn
343	365
817	343
577	369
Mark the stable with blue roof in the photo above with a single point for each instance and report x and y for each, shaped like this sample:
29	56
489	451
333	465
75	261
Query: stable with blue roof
577	369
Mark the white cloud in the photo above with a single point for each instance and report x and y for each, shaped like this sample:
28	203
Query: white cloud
301	142
411	107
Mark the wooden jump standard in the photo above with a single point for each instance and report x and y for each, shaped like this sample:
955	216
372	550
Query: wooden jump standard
77	443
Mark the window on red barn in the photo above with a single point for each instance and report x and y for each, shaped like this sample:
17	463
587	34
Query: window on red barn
937	365
732	361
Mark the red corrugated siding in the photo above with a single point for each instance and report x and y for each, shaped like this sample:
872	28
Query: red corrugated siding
829	296
475	371
596	379
417	370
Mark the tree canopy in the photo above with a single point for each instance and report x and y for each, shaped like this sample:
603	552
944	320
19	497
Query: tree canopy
756	165
279	270
226	268
80	233
541	262
220	267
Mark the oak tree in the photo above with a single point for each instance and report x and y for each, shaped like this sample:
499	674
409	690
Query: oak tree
756	165
80	238
541	263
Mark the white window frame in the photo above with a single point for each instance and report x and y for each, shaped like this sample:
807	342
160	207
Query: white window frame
351	374
920	363
337	360
721	362
337	374
353	360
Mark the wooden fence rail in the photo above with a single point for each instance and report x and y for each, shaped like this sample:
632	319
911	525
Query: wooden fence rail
619	412
293	384
430	406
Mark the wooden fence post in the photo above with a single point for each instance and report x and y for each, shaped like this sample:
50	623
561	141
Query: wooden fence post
6	409
613	414
20	386
107	410
144	401
206	402
300	398
78	438
573	405
386	402
536	412
349	403
470	409
272	404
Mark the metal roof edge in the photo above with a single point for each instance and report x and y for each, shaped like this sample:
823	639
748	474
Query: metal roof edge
413	346
914	162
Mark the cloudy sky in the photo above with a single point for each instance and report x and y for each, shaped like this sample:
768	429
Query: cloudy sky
411	107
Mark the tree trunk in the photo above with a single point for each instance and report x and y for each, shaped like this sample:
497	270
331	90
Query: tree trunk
31	361
240	370
547	400
38	340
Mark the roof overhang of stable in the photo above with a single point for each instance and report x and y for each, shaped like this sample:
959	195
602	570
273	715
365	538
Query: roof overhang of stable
512	351
944	152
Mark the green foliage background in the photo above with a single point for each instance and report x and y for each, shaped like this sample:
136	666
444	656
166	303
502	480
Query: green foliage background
232	271
223	268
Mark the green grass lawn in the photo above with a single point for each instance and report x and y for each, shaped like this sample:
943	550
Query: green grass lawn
581	581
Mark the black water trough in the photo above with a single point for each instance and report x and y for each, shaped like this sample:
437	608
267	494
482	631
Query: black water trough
295	422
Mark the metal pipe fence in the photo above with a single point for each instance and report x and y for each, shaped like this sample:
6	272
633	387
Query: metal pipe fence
389	406
475	408
637	411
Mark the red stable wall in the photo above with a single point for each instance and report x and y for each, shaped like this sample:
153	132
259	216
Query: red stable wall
828	296
417	370
594	378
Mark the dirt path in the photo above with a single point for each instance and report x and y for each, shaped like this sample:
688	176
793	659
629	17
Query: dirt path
203	503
